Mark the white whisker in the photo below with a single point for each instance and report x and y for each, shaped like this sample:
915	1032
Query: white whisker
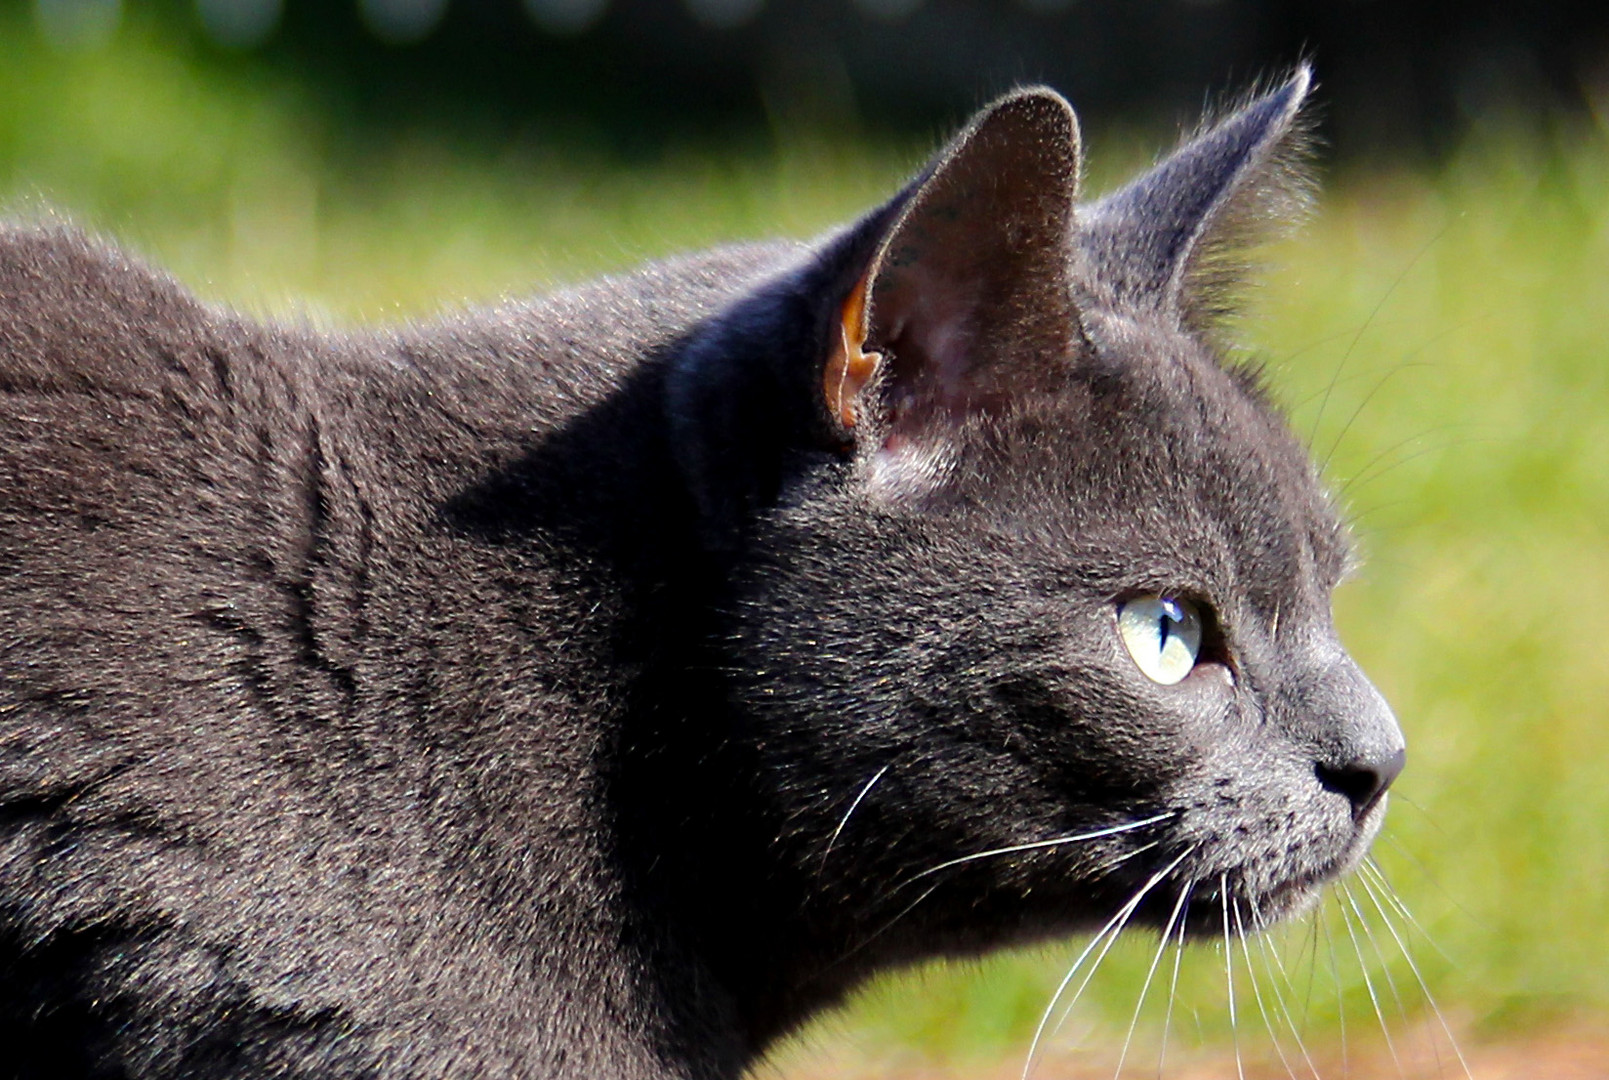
1368	984
1229	975
1055	841
1423	986
1112	864
1109	931
1340	997
1374	944
1133	905
1310	947
1435	1050
1162	944
864	791
1112	925
1257	995
1270	951
881	930
1369	865
1173	987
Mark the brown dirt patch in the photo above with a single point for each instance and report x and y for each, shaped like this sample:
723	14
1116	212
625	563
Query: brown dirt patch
1568	1054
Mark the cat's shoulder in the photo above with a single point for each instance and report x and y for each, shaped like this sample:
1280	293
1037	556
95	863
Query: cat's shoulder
79	314
53	273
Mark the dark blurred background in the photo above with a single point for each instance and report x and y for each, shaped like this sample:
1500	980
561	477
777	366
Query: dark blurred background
1398	76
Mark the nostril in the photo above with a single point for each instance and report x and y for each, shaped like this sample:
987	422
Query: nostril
1362	782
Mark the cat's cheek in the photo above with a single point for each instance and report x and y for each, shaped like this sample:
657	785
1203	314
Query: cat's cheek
905	469
1205	717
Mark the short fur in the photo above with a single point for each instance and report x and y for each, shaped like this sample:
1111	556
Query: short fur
565	690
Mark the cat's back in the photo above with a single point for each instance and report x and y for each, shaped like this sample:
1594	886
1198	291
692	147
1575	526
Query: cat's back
244	646
119	434
126	405
167	466
79	317
119	390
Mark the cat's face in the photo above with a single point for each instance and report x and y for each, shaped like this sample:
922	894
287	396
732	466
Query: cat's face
1051	638
972	643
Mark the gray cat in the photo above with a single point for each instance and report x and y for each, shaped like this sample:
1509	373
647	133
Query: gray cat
600	686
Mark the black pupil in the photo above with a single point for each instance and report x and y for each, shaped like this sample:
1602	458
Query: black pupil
1172	615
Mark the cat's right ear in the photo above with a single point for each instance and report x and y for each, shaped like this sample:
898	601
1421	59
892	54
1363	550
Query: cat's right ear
1169	242
966	301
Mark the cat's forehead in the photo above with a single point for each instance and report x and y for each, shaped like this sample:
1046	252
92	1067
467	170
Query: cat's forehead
1157	447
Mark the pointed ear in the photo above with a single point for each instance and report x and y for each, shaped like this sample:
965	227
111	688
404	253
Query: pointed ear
967	301
1168	241
954	297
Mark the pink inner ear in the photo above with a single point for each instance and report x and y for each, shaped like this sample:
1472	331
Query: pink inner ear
940	329
927	320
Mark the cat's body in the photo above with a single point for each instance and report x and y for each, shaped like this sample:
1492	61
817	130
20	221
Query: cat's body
600	685
227	525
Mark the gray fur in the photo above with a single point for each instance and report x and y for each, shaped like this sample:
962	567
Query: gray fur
1174	240
485	698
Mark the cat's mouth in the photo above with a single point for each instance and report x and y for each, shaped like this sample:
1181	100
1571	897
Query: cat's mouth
1225	906
1209	895
1213	903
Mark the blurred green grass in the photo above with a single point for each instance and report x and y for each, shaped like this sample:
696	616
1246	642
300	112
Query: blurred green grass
1440	339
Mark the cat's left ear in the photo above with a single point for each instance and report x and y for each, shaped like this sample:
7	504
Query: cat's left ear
953	299
966	301
1168	243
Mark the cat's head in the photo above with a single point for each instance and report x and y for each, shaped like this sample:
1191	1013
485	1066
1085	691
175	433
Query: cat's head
1029	615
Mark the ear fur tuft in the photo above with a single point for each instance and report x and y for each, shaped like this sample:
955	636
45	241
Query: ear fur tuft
1272	199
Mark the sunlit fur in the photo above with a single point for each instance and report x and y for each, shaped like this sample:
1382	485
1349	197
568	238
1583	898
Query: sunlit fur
566	690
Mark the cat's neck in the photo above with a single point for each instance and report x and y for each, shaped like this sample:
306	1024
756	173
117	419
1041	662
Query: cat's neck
546	534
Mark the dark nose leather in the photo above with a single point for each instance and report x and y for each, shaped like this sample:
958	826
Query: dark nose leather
1363	782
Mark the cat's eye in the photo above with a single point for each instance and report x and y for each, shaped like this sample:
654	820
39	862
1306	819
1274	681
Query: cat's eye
1162	634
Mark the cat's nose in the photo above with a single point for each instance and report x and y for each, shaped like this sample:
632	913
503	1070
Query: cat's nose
1357	746
1364	781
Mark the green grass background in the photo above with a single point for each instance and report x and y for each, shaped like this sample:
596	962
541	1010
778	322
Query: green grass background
1441	337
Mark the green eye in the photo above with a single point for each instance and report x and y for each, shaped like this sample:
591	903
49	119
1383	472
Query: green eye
1163	634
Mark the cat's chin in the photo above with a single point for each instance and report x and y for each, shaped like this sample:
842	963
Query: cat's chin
1234	899
1297	896
1211	914
1301	892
